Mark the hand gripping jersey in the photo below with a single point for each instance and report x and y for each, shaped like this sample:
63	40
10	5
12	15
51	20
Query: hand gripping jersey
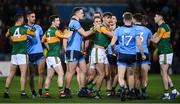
34	44
100	38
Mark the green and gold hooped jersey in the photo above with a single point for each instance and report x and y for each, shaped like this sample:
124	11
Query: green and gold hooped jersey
164	45
52	36
18	36
100	38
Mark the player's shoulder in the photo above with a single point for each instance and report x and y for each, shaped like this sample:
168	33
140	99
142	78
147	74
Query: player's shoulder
37	26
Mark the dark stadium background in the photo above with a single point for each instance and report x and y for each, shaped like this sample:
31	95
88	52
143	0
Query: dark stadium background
44	8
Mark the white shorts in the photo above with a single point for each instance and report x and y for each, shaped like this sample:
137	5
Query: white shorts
98	55
91	65
19	59
166	58
53	62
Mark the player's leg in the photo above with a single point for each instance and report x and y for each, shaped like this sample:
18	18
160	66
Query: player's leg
71	69
164	75
130	81
23	70
40	67
108	79
9	80
22	61
31	72
114	76
137	76
121	80
100	67
83	74
50	74
144	79
60	72
78	71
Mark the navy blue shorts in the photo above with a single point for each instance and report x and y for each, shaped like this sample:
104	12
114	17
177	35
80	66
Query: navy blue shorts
139	59
74	56
112	59
35	57
127	60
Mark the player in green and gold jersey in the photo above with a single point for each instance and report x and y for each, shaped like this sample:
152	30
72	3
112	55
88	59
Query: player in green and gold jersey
162	38
51	39
18	36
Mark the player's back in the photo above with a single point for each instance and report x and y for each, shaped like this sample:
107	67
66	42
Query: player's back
18	36
126	36
145	34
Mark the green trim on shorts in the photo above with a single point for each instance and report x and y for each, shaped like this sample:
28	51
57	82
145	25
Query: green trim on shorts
56	59
96	55
165	58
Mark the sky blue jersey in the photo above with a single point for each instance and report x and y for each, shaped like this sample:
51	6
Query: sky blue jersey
145	34
126	36
75	41
34	44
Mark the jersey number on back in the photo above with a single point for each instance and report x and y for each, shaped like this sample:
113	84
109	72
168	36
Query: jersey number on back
141	36
126	40
17	33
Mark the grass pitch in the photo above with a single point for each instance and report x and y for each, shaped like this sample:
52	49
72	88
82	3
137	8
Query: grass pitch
155	90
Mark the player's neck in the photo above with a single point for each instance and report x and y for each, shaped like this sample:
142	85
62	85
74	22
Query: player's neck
18	24
128	23
30	24
53	26
138	23
160	22
75	17
113	26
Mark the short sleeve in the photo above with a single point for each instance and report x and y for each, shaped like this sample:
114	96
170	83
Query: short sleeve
44	38
59	34
116	32
40	31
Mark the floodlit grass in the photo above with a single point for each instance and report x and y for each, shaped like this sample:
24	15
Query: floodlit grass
155	90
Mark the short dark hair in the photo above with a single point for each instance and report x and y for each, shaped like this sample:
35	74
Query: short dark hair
96	12
29	12
18	16
127	16
161	14
76	9
52	18
138	17
107	14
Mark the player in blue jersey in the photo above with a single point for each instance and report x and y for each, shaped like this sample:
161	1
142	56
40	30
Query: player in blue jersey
35	52
141	73
127	38
74	55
